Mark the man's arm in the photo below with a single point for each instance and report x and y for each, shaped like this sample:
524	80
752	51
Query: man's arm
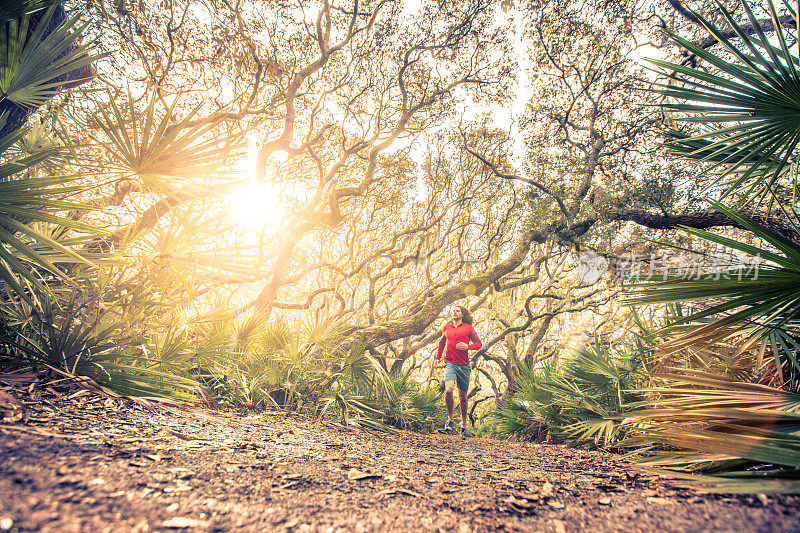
442	342
476	341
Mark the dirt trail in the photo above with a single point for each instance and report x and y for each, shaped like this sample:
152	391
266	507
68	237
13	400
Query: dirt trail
91	463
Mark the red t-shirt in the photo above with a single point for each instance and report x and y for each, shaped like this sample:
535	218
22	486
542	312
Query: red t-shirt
451	336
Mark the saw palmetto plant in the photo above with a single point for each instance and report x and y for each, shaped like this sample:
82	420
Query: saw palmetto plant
32	219
726	378
746	99
760	302
34	207
160	148
30	65
578	400
745	437
85	330
102	334
245	361
14	9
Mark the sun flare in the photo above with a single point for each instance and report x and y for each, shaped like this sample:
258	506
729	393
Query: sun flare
256	205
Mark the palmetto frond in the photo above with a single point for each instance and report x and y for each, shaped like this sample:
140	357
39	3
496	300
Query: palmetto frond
764	299
29	66
580	400
79	337
750	103
732	427
157	146
14	9
29	203
28	206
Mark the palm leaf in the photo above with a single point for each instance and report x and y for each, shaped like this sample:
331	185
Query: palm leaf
14	9
156	145
764	299
730	427
29	201
29	67
754	98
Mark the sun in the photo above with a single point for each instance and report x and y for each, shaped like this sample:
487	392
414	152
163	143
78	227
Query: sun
256	205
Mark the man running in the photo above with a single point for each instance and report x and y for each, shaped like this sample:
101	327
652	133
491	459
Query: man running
456	336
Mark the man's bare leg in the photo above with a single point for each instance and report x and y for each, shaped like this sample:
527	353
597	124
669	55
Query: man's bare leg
448	398
462	399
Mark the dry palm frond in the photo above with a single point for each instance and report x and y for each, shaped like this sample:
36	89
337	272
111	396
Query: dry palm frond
746	434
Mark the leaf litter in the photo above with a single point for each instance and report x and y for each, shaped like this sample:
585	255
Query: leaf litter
275	471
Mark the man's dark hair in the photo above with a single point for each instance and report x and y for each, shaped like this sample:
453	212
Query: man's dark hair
466	317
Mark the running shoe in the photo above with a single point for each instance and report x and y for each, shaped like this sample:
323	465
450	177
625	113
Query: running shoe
462	432
449	426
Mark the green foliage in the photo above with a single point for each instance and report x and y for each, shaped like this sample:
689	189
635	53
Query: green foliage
532	410
100	335
578	400
29	66
157	146
248	362
750	103
14	9
31	223
716	393
408	405
257	365
33	207
761	303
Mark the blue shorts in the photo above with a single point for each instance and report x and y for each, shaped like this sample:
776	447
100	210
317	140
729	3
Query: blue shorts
458	373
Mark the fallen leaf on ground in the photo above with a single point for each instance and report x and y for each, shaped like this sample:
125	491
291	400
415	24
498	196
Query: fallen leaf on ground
392	492
183	436
475	507
172	508
547	490
524	504
178	488
12	416
526	495
495	470
79	394
6	400
183	522
559	526
664	501
357	475
555	504
141	401
604	501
